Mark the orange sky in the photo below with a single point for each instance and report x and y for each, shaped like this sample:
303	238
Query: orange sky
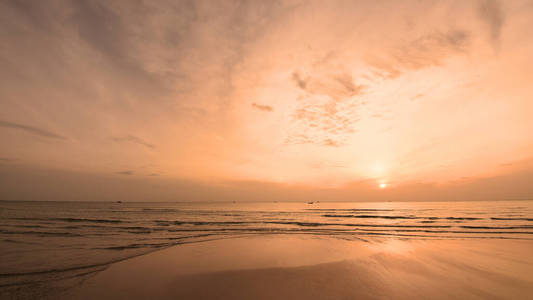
431	98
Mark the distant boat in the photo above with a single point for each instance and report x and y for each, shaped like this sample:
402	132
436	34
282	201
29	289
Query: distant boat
310	202
119	201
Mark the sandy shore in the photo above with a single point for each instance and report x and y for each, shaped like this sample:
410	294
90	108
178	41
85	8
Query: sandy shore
304	267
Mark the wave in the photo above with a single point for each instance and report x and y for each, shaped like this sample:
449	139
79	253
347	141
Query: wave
59	270
17	242
370	216
87	220
40	233
512	219
350	209
401	217
23	226
301	223
71	220
80	226
99	264
134	228
497	227
160	210
199	223
136	246
463	218
450	231
356	225
428	233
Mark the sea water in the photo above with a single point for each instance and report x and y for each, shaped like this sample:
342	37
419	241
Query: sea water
50	241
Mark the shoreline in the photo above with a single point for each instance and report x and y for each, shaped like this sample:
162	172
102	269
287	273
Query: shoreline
291	266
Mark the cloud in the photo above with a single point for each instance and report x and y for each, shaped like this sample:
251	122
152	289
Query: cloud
300	82
336	86
492	15
190	68
7	159
128	172
330	143
113	31
423	52
32	130
325	121
347	82
133	139
418	96
262	107
101	28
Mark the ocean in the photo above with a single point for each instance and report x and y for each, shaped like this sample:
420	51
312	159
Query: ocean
49	241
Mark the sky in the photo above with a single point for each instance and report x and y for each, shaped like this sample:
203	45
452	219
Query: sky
266	100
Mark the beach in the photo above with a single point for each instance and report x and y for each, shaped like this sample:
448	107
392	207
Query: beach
302	267
435	250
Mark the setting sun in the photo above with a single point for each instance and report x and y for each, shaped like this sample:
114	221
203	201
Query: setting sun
382	185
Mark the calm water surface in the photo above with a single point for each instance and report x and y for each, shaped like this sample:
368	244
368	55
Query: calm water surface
46	241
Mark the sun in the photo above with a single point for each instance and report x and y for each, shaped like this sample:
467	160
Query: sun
382	185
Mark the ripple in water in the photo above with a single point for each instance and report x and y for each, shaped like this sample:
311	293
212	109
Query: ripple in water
54	240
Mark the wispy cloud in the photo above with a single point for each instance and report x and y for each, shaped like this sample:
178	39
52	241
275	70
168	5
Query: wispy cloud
300	82
423	52
33	130
336	86
325	121
7	159
341	84
127	172
133	139
491	13
262	107
330	143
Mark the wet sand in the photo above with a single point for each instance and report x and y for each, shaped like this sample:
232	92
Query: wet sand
305	267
